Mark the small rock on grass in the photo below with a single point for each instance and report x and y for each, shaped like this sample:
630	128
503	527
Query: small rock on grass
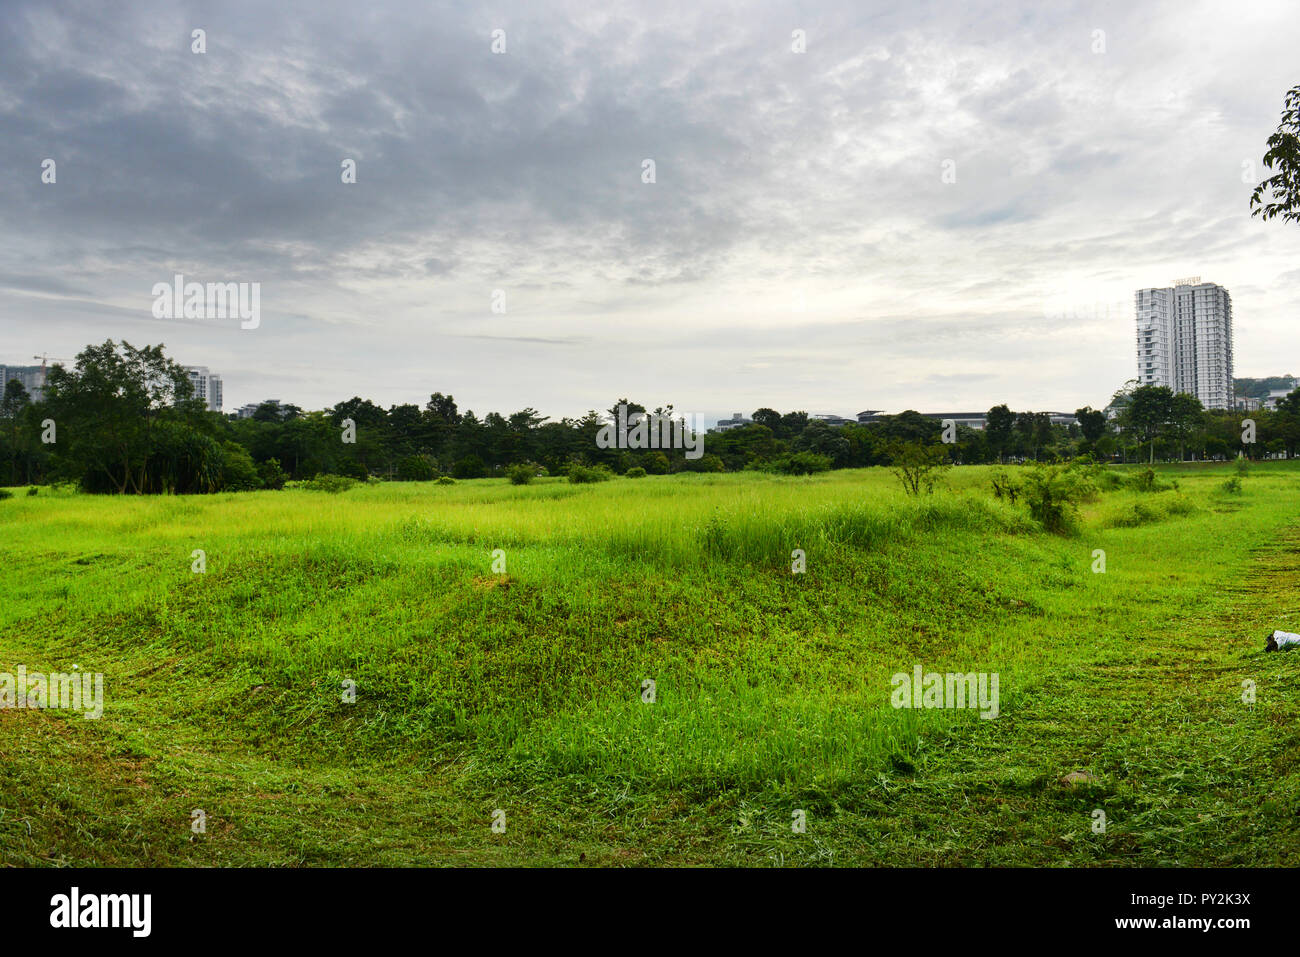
1075	778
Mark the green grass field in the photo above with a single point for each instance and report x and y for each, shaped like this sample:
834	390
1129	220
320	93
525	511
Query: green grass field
522	691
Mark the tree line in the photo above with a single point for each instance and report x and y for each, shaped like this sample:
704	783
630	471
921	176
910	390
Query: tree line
125	420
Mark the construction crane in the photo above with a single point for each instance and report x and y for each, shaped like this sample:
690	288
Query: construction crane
43	359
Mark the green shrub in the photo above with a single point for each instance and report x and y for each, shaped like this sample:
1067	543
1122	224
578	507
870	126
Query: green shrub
1107	479
705	463
330	483
416	468
802	463
1147	481
1232	486
521	474
470	467
1243	465
1052	493
31	491
354	469
656	463
272	475
917	465
446	480
5	493
238	471
1004	486
635	472
1138	514
584	474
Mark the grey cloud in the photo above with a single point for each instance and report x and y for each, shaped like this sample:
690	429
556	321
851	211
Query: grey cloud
775	171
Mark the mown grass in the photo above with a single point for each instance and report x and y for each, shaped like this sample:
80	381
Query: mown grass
478	690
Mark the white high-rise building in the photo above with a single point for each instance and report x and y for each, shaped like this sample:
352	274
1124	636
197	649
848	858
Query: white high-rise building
207	386
32	378
1184	340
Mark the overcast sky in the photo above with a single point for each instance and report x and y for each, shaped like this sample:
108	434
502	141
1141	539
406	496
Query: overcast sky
798	249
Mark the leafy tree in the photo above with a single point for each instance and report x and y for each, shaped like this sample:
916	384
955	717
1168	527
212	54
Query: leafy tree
908	426
12	404
269	411
1286	421
632	409
238	471
866	447
1185	417
803	463
441	418
1092	423
407	433
1283	155
822	439
416	468
793	423
998	426
272	476
110	409
769	418
471	466
1149	412
917	466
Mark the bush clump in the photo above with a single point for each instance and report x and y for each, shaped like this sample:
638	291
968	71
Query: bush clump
470	467
802	463
416	468
1052	493
273	477
334	484
585	474
705	463
1004	486
445	480
521	474
918	465
1147	481
635	471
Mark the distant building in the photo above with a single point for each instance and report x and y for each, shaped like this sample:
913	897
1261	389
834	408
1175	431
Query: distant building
737	421
207	386
246	411
1063	418
832	420
32	378
1270	401
972	420
1184	340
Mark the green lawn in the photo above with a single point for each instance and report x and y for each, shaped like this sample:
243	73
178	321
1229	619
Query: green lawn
522	691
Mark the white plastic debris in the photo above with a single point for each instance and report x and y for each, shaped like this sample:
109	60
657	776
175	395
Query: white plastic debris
1281	640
